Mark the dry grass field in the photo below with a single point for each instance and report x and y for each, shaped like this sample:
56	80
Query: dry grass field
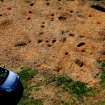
64	40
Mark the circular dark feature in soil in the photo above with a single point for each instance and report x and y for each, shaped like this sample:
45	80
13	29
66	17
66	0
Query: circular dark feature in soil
31	4
81	44
40	41
79	63
62	18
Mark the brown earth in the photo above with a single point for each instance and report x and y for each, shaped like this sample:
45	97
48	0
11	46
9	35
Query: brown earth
66	36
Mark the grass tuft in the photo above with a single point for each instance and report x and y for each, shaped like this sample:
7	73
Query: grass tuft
78	88
27	73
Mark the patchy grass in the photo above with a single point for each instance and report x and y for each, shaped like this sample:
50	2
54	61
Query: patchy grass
63	80
78	88
103	65
102	75
102	103
27	74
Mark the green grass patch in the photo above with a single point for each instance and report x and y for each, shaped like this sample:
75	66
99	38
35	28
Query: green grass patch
101	103
63	80
103	65
27	74
102	75
79	89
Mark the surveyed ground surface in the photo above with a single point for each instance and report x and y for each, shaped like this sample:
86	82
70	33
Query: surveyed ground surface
64	36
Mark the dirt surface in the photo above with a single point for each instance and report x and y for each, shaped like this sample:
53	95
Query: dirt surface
67	36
